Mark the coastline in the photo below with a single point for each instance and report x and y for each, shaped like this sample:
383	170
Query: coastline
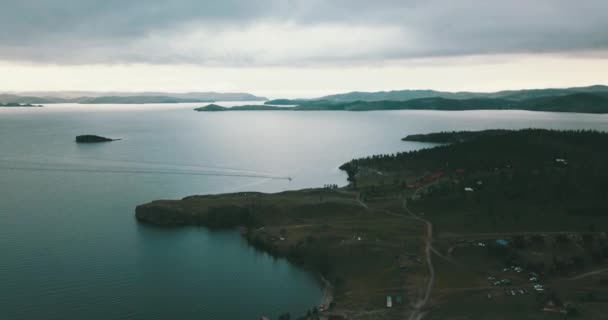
318	230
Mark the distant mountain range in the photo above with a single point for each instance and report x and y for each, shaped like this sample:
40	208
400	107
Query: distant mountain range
405	95
583	100
593	99
90	97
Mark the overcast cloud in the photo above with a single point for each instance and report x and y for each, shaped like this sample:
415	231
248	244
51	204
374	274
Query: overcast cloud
234	33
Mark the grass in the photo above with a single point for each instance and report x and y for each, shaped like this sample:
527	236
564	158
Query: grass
476	306
360	250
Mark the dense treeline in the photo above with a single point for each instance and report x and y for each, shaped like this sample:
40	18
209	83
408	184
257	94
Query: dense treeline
452	137
541	167
527	147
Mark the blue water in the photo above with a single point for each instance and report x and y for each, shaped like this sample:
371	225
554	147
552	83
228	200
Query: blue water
70	247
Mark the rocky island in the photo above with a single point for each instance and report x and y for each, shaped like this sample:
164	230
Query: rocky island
89	138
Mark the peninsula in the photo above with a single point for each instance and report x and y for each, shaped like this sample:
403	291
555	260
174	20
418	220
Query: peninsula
508	223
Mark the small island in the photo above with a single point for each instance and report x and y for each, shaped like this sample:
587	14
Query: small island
89	138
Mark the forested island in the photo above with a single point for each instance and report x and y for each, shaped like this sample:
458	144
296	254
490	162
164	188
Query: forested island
508	223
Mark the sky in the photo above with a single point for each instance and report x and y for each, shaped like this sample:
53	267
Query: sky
301	48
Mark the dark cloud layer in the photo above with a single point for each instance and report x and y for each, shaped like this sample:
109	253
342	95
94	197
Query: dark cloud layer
288	32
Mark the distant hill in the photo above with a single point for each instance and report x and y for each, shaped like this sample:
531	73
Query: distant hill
286	102
576	102
137	100
430	104
87	97
405	95
211	107
398	95
13	98
540	93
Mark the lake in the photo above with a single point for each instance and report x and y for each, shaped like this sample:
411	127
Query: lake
70	247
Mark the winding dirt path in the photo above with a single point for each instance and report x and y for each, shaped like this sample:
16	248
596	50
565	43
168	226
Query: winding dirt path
417	313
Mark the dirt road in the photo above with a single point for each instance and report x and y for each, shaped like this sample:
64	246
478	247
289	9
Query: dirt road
418	313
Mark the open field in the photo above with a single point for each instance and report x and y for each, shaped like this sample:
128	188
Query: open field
365	253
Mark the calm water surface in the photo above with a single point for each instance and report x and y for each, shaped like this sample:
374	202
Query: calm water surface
70	247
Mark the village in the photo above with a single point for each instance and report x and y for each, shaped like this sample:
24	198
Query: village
491	233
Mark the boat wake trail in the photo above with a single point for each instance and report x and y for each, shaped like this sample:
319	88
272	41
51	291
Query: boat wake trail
169	169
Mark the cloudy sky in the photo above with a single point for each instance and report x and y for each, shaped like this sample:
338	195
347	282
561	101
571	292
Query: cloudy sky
301	48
